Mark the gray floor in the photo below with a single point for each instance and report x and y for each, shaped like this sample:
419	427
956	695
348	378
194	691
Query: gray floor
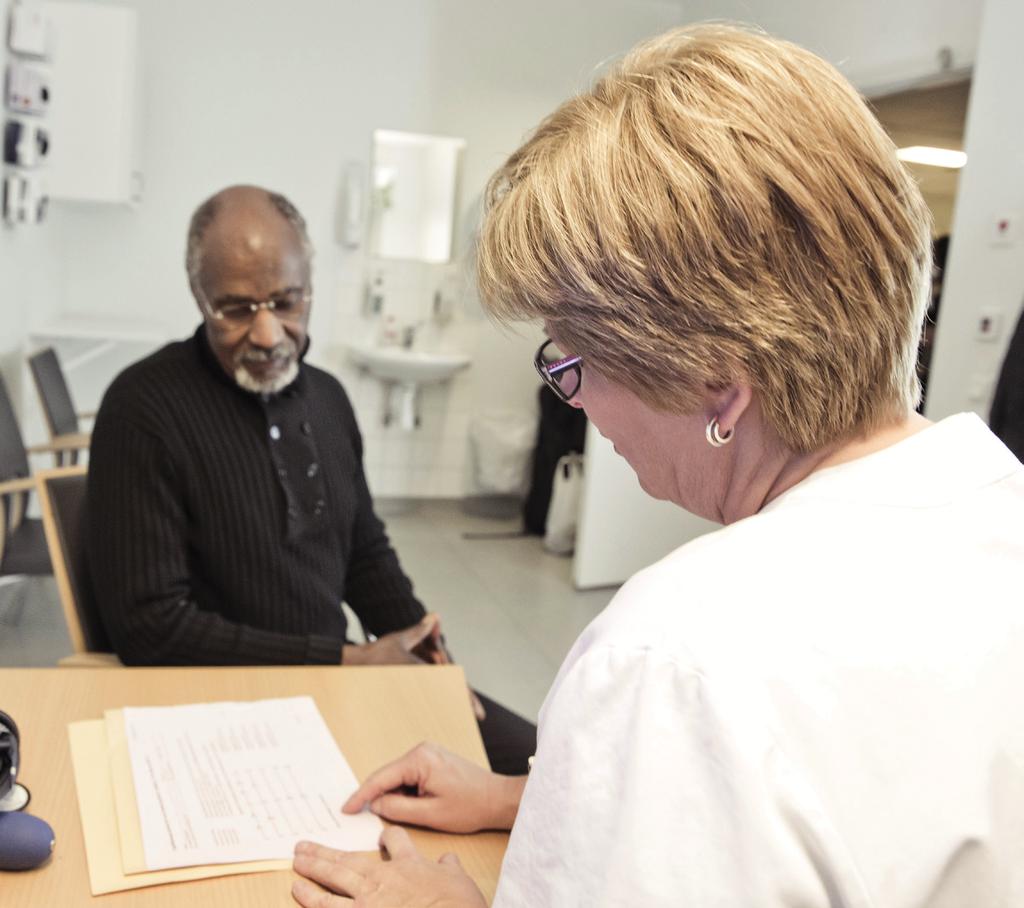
32	628
509	610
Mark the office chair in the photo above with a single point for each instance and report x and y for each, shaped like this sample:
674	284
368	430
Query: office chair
62	494
61	417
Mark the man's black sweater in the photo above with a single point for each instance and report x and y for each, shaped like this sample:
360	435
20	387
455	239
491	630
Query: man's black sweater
226	528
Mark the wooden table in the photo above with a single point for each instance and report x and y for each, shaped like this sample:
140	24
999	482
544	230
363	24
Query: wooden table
375	714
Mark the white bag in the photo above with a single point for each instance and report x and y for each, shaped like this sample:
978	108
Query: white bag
502	442
563	512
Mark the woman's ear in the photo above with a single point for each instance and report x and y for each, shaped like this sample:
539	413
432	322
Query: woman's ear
728	405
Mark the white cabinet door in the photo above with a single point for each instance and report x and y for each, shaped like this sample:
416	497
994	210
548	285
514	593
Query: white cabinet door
93	108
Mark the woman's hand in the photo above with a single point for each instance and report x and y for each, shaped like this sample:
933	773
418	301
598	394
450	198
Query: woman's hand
432	787
332	877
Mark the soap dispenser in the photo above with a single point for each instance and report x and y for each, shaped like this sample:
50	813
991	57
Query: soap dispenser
373	303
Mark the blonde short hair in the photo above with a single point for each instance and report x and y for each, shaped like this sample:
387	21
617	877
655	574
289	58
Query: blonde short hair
721	206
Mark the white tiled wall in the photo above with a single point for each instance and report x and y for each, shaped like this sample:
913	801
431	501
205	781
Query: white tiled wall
434	460
430	461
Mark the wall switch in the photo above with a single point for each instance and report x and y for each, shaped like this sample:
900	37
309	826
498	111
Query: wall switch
27	89
989	326
30	31
1004	228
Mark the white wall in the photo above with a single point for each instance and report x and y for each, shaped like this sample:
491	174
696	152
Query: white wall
983	277
29	275
284	95
877	44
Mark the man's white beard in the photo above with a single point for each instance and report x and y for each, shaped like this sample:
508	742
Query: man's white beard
249	382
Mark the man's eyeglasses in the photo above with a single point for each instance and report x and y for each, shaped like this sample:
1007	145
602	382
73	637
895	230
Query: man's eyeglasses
562	374
236	312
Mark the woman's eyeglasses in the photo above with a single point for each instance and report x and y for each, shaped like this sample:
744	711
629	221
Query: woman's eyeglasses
562	374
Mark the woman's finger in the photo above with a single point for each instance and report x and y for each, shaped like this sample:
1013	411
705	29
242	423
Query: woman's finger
405	771
360	862
397	843
309	895
338	876
399	808
316	850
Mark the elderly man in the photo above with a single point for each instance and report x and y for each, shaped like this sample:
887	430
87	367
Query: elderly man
228	510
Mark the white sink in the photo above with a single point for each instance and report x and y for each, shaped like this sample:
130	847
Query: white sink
411	367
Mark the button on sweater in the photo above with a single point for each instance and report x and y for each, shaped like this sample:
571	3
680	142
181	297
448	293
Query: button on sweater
225	527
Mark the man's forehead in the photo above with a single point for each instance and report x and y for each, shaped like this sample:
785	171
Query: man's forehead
253	247
251	225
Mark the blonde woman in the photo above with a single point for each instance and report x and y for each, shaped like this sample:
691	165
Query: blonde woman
822	704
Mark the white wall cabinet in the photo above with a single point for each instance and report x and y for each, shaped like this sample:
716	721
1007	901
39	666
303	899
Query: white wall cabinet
93	120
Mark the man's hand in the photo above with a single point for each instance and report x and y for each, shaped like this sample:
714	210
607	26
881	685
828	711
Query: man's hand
396	648
448	792
433	649
421	643
408	879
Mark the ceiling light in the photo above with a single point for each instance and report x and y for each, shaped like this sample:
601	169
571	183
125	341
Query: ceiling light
933	157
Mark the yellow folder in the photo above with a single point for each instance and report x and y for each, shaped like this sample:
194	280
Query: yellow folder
110	817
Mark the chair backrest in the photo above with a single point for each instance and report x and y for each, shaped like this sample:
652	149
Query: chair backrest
62	493
60	412
13	459
13	464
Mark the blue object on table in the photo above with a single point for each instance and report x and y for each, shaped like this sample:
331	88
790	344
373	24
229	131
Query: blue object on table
25	841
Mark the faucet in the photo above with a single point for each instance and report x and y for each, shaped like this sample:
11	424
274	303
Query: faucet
408	335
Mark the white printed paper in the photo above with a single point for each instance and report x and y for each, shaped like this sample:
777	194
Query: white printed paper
218	783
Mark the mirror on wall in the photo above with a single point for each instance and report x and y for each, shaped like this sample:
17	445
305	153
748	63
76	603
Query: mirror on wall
927	125
415	183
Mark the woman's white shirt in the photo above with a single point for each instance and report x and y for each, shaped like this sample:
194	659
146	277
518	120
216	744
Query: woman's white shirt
821	705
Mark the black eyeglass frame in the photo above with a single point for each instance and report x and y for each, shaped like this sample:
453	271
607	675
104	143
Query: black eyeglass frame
553	373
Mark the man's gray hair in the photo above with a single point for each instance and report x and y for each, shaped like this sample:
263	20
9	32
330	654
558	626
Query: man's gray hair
205	214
